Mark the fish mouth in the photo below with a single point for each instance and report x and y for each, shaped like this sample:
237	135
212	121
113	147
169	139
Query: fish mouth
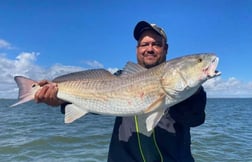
211	70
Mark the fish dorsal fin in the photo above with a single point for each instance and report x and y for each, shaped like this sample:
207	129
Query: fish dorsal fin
86	74
132	68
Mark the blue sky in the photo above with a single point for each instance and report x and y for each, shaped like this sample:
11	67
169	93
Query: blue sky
43	39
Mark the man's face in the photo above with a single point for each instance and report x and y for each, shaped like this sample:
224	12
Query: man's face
151	49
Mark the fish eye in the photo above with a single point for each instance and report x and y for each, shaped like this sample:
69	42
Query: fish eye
34	85
199	60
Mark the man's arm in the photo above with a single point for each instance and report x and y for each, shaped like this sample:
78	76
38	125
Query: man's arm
190	112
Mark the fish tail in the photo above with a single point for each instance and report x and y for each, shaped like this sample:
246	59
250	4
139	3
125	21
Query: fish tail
27	89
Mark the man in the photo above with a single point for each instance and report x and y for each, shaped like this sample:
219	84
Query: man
127	145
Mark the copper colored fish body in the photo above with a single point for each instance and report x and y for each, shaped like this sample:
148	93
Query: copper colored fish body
137	91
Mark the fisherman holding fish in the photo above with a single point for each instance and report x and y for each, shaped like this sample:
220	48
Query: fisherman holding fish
170	140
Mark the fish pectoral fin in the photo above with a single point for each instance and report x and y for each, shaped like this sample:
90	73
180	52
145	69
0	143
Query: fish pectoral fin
73	112
153	119
147	122
152	116
156	104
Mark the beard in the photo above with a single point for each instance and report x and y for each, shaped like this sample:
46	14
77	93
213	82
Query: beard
150	61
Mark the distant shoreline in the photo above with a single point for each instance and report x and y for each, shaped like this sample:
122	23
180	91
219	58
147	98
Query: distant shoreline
207	98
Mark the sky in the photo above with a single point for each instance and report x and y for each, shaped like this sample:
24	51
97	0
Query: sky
45	39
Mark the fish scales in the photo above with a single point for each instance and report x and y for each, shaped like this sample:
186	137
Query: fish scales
109	95
147	93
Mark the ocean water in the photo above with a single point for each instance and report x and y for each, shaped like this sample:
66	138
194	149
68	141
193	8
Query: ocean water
36	132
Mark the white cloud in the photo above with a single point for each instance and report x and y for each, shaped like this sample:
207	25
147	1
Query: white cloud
94	64
4	44
25	64
112	70
58	69
231	87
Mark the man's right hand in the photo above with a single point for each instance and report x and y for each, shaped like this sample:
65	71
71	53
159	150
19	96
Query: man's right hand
48	93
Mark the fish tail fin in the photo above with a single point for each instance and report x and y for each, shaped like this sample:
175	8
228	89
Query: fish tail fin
27	89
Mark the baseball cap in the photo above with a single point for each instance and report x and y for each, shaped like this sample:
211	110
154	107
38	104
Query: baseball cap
143	25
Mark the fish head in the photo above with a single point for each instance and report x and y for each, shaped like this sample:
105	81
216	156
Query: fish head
189	72
196	69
